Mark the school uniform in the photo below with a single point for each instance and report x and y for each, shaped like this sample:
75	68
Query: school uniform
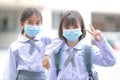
103	55
23	65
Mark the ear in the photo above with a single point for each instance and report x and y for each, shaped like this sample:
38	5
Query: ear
22	27
21	24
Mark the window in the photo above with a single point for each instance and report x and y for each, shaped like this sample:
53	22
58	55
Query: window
106	22
56	17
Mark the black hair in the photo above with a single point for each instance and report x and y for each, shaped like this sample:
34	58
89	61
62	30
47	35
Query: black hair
71	18
27	13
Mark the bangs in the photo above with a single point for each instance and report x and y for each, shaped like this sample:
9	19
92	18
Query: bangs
70	20
28	13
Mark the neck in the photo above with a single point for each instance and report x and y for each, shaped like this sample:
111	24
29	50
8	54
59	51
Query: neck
27	36
72	44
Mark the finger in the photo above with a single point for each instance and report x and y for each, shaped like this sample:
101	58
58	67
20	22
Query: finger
47	67
89	31
92	28
98	32
46	64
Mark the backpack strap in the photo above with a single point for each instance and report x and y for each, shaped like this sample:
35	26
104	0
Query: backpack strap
87	61
87	57
57	58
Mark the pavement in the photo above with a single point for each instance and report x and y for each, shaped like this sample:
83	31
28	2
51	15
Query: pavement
104	73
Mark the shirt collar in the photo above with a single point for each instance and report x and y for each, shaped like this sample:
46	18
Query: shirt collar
79	45
22	38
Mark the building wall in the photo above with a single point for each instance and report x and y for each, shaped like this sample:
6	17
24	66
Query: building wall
9	20
9	25
12	10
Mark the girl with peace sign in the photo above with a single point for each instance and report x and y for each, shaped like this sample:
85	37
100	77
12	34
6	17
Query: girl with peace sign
71	32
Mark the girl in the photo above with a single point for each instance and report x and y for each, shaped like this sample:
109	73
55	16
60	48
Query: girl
25	54
72	31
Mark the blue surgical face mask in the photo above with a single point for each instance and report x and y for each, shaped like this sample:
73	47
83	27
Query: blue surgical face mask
32	30
72	34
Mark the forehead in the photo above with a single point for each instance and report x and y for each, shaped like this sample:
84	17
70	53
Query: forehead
71	20
34	17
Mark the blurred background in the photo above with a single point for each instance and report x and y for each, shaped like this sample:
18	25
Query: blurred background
104	15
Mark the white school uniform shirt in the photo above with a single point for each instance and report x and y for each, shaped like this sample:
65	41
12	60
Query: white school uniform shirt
54	47
102	55
20	59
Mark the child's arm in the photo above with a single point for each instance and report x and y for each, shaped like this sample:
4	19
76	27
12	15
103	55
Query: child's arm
52	49
105	55
10	72
51	73
108	57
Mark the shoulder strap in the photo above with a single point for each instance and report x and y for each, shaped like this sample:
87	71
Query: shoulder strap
57	61
88	62
87	57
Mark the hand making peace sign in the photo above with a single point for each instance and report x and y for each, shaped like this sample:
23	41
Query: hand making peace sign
95	33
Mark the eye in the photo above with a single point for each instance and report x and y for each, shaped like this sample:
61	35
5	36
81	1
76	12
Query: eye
38	23
65	27
76	26
30	23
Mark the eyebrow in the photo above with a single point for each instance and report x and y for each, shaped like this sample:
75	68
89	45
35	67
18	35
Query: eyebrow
32	20
29	20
